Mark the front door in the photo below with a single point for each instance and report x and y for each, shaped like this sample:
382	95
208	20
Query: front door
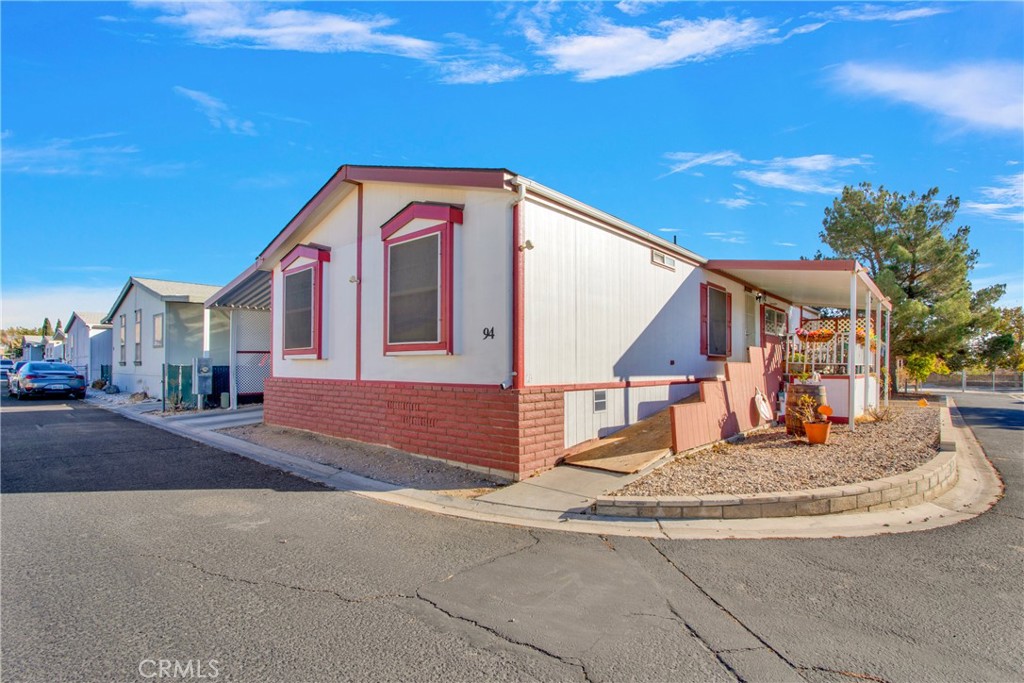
751	322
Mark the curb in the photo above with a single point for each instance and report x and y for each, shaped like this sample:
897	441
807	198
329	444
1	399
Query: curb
917	486
969	502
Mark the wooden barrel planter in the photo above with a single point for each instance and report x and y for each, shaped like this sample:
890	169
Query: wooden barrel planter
793	393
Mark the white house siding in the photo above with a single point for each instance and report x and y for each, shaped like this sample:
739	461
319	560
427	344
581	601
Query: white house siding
147	375
88	348
481	291
99	352
598	310
583	423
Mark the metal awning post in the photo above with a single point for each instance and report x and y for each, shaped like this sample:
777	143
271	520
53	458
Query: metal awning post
878	353
888	360
851	345
233	358
867	348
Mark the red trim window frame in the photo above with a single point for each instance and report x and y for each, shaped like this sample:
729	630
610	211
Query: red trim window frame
705	321
318	257
449	215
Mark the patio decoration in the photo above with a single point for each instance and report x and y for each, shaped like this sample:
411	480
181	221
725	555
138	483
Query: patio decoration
820	336
815	419
861	338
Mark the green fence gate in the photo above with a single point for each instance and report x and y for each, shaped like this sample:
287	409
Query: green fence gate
178	386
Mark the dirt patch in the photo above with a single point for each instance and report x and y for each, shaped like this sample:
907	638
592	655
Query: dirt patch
376	462
774	461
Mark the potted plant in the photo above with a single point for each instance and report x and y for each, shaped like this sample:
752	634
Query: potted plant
815	419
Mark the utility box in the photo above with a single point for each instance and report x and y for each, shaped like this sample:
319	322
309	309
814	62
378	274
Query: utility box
204	376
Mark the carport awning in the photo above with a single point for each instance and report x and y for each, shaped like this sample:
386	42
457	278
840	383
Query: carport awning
250	290
819	283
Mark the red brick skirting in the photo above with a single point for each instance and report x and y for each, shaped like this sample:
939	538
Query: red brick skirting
510	433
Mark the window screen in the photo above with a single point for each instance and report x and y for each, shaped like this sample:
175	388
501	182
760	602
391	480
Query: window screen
413	290
158	329
298	310
600	401
717	323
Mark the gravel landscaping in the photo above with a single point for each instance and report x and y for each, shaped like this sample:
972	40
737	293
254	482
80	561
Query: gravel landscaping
774	461
376	462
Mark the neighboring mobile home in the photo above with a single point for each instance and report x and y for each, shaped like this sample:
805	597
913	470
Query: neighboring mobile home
55	346
89	344
477	316
33	347
158	326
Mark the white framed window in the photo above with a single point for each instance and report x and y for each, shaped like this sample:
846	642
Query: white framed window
774	322
600	401
158	330
660	258
122	335
138	336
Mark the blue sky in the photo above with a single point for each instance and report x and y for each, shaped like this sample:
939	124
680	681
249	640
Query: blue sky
174	140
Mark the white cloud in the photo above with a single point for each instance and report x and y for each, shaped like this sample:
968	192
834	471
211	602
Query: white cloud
476	62
27	306
784	244
735	202
889	12
730	237
217	112
1004	201
979	95
610	50
684	161
67	156
265	26
815	173
1011	162
635	8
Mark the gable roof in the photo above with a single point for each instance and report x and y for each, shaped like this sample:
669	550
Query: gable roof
88	318
165	290
34	339
350	176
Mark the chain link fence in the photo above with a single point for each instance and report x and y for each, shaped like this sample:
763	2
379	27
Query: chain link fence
1001	380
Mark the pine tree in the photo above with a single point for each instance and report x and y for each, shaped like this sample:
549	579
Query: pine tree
919	260
46	330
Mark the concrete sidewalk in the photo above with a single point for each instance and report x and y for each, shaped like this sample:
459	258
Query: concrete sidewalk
558	499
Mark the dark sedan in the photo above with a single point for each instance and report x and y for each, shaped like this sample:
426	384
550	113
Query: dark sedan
43	378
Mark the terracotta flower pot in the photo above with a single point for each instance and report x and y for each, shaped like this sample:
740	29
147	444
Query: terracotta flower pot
817	432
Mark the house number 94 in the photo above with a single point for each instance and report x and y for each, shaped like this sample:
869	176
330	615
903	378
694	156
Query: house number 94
488	333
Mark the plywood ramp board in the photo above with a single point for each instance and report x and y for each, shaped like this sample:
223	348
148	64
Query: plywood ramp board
632	448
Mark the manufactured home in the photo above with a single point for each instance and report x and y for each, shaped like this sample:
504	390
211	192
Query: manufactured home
88	345
477	316
158	328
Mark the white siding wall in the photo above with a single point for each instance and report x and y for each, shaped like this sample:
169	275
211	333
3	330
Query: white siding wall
99	352
582	423
147	375
598	310
482	291
88	348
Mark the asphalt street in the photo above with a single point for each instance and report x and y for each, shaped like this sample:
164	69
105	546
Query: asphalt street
125	547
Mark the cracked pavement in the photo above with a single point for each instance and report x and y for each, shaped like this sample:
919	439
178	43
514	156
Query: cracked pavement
122	542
